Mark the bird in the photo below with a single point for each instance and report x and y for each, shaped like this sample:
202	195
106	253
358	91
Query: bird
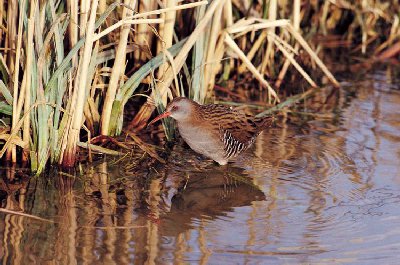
216	131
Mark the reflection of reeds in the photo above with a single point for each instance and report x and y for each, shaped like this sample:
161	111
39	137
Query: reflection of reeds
73	66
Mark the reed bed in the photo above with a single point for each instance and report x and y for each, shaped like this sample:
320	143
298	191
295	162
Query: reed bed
69	68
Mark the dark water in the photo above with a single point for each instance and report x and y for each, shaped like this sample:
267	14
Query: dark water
317	189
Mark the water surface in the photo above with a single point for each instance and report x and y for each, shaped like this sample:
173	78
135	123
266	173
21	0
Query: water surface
322	187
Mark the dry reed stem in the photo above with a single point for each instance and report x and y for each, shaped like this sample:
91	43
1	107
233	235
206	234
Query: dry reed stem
174	71
15	79
296	14
72	7
13	140
1	20
284	69
99	149
181	57
80	91
102	6
253	50
286	45
84	16
219	53
167	34
143	36
116	73
28	70
196	82
210	52
11	33
232	44
228	13
289	56
263	24
98	36
296	25
269	55
175	8
318	61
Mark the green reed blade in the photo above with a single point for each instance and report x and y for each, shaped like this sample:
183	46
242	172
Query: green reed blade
6	93
5	108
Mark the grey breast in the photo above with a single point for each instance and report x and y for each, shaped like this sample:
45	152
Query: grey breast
201	140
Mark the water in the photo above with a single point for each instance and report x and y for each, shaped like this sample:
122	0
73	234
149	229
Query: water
316	189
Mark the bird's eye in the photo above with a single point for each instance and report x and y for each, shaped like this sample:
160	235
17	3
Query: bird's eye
174	108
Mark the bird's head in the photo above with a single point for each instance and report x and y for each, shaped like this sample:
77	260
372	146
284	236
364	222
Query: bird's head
179	108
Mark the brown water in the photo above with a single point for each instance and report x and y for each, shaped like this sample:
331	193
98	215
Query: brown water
316	189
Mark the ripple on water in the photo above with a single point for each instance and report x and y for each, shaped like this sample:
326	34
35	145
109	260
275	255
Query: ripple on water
316	162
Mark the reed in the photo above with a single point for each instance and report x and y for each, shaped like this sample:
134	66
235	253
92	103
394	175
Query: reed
68	69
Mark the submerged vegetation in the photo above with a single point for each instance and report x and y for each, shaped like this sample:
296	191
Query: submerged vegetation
68	70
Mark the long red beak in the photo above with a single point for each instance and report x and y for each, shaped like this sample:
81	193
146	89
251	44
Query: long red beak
159	117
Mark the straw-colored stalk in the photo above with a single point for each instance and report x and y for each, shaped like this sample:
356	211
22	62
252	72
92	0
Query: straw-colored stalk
1	20
228	17
198	58
269	54
245	26
210	61
126	21
11	34
219	53
28	73
290	58
102	6
232	44
167	33
12	149
296	25
84	16
117	71
312	54
180	58
79	92
322	19
143	36
228	13
72	6
176	8
256	47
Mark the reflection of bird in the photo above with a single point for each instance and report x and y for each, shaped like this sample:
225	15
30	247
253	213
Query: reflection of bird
208	194
215	131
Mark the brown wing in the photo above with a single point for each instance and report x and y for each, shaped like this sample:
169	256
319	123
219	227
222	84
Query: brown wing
237	130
